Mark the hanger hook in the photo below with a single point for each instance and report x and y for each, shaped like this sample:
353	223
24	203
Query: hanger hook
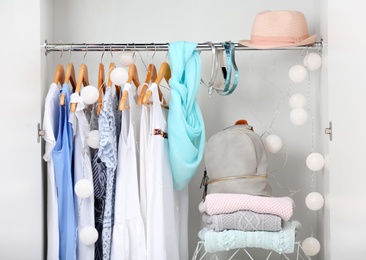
167	53
152	57
62	51
125	48
70	53
142	60
110	50
101	58
121	53
86	51
134	50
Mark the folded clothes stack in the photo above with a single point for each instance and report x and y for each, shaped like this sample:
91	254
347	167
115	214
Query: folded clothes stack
241	220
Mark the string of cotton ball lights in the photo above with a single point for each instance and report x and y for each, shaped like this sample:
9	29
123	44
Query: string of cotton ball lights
126	58
84	189
89	94
299	116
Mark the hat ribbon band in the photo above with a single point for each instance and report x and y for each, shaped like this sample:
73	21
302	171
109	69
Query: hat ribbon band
256	39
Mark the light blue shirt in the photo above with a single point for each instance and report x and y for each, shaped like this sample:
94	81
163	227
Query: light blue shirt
62	157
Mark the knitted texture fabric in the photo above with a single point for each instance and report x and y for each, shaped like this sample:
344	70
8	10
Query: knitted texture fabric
219	203
281	241
243	220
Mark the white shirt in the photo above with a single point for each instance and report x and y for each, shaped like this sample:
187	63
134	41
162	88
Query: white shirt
128	240
50	126
162	232
84	207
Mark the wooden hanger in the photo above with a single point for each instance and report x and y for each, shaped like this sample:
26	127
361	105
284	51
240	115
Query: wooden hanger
164	73
112	66
150	77
69	77
132	77
101	87
82	80
59	76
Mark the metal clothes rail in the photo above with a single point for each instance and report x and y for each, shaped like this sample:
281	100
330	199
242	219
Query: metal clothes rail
86	47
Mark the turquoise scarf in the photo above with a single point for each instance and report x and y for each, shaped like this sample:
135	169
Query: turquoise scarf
186	130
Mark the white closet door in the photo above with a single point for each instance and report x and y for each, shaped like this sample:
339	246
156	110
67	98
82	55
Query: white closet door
345	201
21	181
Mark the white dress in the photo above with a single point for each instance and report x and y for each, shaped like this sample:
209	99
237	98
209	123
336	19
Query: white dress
162	233
50	126
128	241
84	207
144	130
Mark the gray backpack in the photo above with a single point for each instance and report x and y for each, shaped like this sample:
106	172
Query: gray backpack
236	162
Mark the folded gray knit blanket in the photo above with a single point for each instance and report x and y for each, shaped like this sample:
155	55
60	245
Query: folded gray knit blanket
243	220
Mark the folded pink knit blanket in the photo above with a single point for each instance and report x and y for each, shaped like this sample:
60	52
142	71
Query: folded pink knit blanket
220	203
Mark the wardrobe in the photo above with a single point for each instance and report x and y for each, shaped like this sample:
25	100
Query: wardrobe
336	94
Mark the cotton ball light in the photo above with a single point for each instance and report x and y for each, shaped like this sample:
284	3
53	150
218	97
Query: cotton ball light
92	139
119	76
89	94
273	143
127	58
310	246
297	73
298	116
312	61
297	100
315	161
314	201
83	188
88	235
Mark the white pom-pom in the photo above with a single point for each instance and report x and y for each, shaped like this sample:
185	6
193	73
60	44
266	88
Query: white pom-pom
314	201
273	143
298	116
311	246
297	100
89	94
119	76
297	73
312	61
84	188
127	58
88	235
92	139
315	161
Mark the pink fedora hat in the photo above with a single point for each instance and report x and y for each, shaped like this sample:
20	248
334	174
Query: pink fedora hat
273	29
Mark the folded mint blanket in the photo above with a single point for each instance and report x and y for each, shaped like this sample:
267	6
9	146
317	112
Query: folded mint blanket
280	241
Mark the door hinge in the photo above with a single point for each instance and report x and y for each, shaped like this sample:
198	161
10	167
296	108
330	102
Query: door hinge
40	132
329	131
